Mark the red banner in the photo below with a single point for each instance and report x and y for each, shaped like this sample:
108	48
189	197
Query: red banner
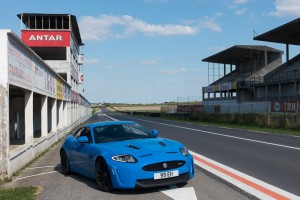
190	108
44	38
286	106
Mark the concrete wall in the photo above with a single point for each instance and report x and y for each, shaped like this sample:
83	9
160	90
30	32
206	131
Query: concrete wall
37	107
25	153
235	107
4	113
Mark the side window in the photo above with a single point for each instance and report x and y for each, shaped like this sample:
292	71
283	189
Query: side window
85	131
78	132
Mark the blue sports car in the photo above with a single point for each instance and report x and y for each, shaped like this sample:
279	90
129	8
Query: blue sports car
125	154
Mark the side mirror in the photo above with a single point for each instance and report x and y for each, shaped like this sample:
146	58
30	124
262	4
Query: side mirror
83	139
155	133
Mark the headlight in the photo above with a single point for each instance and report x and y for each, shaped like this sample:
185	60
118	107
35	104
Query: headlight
184	151
124	158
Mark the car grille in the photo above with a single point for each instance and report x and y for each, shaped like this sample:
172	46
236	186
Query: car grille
164	165
146	183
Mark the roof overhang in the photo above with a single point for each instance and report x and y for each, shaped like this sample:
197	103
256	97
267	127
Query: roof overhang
288	33
236	54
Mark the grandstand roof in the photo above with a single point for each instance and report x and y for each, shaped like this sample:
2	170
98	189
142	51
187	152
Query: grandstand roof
288	33
237	53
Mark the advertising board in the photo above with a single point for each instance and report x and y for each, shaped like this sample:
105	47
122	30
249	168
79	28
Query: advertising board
34	38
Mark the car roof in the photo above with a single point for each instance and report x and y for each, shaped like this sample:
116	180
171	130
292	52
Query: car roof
110	123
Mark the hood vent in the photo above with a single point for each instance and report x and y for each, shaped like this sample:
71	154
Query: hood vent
146	155
162	144
133	147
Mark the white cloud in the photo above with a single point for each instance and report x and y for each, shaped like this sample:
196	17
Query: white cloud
240	1
236	6
152	61
173	71
210	23
286	8
109	67
90	61
158	1
206	23
216	48
240	11
107	26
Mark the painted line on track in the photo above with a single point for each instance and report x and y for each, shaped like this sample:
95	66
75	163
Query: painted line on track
43	167
251	185
37	175
111	118
223	135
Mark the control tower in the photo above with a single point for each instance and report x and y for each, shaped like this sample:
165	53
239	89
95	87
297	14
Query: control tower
56	39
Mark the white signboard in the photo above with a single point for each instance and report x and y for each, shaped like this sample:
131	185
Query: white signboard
80	78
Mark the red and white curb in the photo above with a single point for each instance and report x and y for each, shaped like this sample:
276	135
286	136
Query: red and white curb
243	181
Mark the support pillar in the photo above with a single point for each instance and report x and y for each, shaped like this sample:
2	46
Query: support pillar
28	117
54	116
44	116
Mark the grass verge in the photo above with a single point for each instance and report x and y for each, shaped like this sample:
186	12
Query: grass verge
20	193
23	193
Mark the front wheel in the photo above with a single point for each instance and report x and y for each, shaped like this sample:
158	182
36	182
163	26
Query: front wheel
103	176
64	161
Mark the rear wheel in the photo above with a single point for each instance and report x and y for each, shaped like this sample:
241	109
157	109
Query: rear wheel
64	161
103	176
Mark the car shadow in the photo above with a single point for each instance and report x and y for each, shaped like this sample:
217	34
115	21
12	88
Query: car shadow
92	184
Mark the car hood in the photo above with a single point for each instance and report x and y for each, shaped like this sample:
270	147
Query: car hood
144	147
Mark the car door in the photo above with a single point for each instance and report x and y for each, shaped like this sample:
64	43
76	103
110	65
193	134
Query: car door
82	152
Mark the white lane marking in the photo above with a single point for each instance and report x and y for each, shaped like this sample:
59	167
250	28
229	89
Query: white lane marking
113	119
38	175
42	167
219	134
256	187
175	193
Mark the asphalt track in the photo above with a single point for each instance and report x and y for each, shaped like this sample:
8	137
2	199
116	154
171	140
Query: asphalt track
271	158
248	152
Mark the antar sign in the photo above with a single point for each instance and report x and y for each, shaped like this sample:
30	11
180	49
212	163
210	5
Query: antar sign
46	38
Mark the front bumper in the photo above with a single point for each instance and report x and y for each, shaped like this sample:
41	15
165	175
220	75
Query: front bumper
146	183
131	175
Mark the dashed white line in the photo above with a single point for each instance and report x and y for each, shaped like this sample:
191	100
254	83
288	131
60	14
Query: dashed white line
37	175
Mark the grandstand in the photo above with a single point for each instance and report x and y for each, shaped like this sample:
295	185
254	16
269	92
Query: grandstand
283	83
258	81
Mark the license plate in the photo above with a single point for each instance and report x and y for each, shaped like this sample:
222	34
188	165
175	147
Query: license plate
164	175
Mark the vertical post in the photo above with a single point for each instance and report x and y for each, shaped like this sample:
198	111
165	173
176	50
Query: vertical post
267	93
280	92
60	114
54	115
65	111
44	116
28	117
287	52
266	58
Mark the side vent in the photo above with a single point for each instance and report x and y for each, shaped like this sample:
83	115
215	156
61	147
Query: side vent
133	147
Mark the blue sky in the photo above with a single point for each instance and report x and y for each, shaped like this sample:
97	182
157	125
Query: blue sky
150	51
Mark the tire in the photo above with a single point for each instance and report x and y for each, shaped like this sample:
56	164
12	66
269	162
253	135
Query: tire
65	164
103	177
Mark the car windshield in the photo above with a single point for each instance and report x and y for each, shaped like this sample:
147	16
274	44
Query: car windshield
117	132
